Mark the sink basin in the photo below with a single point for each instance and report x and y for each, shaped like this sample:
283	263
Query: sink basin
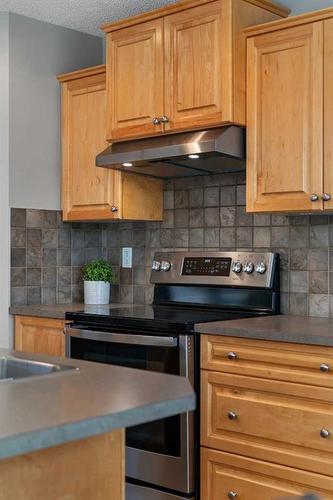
12	368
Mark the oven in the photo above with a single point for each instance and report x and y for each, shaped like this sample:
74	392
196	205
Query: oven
159	455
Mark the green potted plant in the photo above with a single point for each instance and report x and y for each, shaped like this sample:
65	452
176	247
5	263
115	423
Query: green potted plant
98	276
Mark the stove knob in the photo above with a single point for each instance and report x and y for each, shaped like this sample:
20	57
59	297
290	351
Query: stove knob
249	267
165	265
237	267
261	268
156	266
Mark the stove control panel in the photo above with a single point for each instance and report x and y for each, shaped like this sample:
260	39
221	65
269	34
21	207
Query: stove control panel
250	269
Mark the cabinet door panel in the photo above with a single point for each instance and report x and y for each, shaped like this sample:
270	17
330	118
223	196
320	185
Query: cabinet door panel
40	335
193	79
136	80
328	112
285	120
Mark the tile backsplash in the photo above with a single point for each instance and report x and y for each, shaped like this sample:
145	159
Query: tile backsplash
199	213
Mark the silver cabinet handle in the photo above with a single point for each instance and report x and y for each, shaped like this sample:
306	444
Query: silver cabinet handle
314	197
232	415
232	356
232	495
114	209
156	121
326	197
325	368
325	433
164	119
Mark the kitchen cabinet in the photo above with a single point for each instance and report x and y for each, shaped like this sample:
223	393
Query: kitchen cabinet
289	121
90	192
40	335
266	418
181	67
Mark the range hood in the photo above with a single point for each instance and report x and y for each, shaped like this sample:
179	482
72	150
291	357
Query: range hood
179	155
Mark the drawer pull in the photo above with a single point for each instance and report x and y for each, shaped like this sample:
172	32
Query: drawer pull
232	356
325	433
232	494
325	368
232	415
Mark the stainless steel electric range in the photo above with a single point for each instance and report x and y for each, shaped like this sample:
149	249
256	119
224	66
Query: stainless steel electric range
190	288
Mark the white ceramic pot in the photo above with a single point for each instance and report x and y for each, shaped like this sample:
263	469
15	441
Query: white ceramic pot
96	292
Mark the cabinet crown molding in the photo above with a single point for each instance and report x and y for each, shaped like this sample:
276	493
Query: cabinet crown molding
82	73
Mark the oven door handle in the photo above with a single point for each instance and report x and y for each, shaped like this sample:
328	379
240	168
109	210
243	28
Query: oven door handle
122	338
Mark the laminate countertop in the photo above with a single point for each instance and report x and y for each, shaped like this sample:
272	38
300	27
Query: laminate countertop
49	410
279	328
56	311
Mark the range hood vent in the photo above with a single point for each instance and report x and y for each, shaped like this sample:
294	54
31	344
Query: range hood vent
204	152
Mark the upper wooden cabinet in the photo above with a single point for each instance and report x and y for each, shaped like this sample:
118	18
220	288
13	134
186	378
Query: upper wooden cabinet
181	67
289	119
90	192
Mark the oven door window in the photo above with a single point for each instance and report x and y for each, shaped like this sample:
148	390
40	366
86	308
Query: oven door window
161	436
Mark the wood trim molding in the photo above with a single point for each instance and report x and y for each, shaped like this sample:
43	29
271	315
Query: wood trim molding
308	17
182	5
82	73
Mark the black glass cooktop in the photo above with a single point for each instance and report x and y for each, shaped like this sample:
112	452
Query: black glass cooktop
152	317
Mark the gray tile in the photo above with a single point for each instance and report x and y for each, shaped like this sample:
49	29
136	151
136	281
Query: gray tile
63	256
318	260
181	199
139	295
196	217
34	257
34	295
35	218
196	236
76	275
18	276
196	197
299	281
153	238
321	220
299	237
18	217
49	276
227	216
168	198
126	276
298	304
212	237
18	257
50	238
284	257
34	277
299	259
284	281
228	196
138	256
49	257
64	238
181	238
139	276
126	237
126	294
299	220
318	236
18	296
92	239
284	303
318	282
64	295
212	196
77	293
49	295
113	237
243	218
167	238
77	238
280	236
241	195
227	238
168	221
63	276
261	237
18	237
92	254
34	237
280	220
181	217
262	220
244	237
50	219
319	305
212	217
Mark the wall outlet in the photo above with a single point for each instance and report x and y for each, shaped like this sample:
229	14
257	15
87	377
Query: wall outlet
126	260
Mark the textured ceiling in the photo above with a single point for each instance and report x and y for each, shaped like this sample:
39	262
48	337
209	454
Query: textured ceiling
88	15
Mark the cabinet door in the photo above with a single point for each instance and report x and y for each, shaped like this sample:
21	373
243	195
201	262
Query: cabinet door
285	120
135	69
87	190
40	335
328	114
193	72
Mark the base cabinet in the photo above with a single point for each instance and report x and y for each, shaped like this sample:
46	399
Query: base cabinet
40	335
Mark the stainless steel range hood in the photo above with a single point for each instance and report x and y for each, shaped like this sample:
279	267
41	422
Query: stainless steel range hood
178	155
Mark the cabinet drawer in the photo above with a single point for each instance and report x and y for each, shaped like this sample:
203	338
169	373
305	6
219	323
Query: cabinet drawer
261	418
223	474
274	360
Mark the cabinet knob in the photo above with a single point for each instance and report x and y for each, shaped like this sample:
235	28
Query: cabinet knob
314	197
114	209
326	197
325	433
156	121
232	415
232	495
164	119
232	356
325	368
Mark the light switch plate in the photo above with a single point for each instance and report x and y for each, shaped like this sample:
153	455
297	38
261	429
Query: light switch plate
126	260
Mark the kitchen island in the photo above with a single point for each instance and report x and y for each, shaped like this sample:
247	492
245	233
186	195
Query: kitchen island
61	434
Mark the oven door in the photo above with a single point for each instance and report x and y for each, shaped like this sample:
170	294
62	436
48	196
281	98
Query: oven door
159	452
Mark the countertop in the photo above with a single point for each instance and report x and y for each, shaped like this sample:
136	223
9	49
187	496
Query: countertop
280	328
44	411
56	311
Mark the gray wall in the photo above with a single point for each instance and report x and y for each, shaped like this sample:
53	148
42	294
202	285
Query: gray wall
300	6
38	52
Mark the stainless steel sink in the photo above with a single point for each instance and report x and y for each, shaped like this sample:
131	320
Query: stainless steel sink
12	368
